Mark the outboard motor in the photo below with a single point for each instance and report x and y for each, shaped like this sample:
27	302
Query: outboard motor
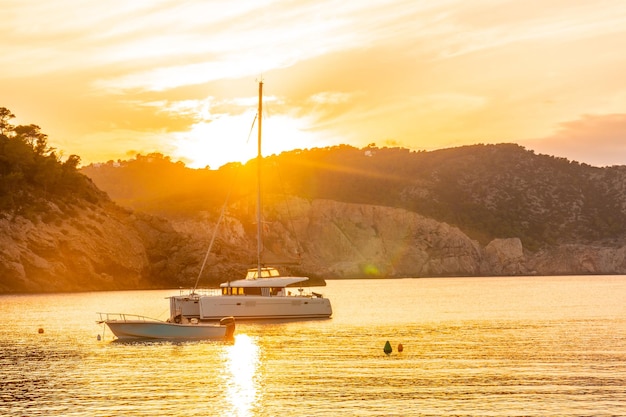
229	322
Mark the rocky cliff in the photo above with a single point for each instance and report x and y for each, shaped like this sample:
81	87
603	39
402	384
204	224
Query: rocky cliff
93	247
337	212
351	240
107	247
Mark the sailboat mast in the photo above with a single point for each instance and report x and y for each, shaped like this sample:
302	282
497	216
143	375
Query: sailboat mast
259	214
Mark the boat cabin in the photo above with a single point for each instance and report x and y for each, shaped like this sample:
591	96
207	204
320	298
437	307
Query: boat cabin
269	284
266	272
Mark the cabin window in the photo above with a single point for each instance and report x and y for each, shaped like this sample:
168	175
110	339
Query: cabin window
252	291
233	291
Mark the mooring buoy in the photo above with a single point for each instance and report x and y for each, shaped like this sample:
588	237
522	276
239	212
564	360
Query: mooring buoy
387	348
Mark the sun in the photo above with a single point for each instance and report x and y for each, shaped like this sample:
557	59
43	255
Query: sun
233	138
283	133
215	143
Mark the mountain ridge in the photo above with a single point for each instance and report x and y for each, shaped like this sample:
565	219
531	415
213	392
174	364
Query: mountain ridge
488	191
329	213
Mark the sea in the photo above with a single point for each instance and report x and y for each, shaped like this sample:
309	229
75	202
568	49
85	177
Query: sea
500	346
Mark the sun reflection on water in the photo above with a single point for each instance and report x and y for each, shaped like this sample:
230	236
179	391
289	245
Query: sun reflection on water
242	362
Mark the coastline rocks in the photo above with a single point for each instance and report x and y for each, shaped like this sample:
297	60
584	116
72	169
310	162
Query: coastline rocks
105	247
505	257
354	240
77	253
341	240
580	259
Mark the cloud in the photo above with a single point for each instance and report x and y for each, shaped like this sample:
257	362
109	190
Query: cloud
421	74
477	26
327	97
598	140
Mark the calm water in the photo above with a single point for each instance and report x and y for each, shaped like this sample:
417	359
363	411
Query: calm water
480	346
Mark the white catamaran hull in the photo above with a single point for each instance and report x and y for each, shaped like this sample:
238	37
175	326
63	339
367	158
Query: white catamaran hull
259	307
248	307
152	329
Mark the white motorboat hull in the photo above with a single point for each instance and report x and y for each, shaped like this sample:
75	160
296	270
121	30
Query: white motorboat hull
131	329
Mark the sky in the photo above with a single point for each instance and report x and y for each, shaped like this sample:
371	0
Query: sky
107	80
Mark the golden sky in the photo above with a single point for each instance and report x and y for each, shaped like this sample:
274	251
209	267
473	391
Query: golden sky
109	79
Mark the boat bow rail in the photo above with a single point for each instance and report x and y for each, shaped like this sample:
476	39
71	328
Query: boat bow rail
105	317
190	292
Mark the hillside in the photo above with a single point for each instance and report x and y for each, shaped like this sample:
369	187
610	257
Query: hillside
59	232
487	191
344	212
338	212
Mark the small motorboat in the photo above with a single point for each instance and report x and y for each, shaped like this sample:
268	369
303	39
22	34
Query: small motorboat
134	327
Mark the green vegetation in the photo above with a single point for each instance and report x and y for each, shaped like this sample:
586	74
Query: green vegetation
32	174
155	184
488	191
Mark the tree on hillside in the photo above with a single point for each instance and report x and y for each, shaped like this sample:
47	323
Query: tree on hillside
33	137
30	169
5	116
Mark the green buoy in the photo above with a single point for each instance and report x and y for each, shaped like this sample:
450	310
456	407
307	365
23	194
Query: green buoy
387	348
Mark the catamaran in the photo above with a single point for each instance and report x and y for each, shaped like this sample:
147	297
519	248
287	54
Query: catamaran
264	293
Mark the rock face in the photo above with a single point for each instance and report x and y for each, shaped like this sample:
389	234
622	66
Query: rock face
504	257
340	240
349	240
95	249
579	259
107	247
98	247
